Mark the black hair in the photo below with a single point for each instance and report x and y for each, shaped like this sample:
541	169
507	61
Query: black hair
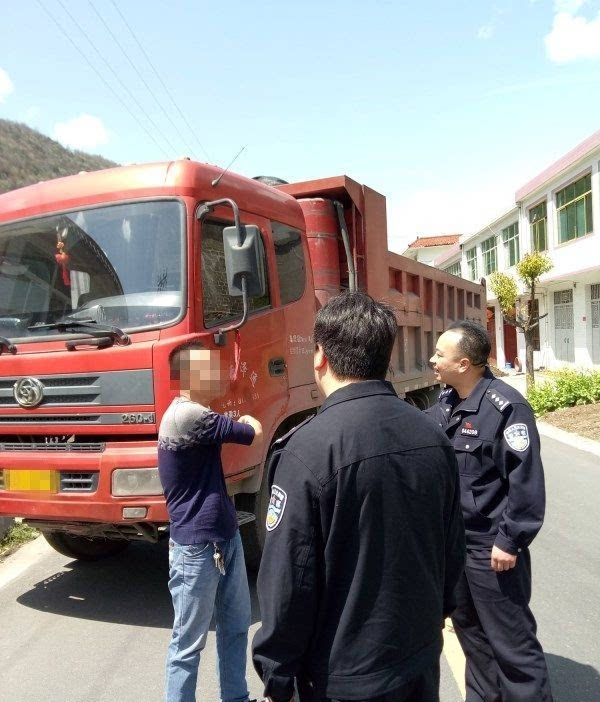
176	357
357	335
474	342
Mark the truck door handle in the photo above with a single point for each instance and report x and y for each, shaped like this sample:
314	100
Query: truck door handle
277	366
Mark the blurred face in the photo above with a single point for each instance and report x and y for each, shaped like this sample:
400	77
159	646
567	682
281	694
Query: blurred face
447	361
202	373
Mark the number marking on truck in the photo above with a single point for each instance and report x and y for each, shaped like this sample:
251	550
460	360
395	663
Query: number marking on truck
138	418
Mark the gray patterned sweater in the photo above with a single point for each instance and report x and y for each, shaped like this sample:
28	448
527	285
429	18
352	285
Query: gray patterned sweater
191	472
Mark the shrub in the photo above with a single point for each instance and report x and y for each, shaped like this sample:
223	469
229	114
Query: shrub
565	388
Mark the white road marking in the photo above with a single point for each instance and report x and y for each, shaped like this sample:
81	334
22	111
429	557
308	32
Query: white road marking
455	657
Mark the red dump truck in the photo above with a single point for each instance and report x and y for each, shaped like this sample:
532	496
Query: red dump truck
103	274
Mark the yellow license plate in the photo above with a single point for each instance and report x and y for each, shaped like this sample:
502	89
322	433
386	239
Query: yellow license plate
31	480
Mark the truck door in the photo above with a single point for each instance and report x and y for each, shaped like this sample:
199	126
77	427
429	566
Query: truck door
296	297
261	385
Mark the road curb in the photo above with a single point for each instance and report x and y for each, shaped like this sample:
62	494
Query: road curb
566	437
16	563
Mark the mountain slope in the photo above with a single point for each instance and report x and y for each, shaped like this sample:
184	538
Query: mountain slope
27	156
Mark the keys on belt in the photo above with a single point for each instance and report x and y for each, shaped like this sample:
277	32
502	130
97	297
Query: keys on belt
218	558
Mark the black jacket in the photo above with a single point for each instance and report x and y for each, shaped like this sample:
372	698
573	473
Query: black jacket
498	451
364	546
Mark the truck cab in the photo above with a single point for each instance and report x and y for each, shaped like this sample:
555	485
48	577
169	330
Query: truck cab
103	275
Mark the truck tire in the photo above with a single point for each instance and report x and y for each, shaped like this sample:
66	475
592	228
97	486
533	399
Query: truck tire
84	549
253	533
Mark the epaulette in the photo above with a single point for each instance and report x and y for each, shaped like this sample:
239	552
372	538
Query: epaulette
497	399
277	447
282	440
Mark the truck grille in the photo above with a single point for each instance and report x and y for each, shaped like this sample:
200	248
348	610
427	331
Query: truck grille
59	390
1	479
108	388
85	446
78	482
49	418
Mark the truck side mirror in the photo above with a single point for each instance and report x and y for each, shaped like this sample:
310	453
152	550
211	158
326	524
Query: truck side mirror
244	259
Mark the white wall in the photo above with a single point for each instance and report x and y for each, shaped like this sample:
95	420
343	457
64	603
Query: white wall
430	253
576	265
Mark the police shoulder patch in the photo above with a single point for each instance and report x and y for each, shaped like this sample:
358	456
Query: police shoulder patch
517	437
276	507
497	399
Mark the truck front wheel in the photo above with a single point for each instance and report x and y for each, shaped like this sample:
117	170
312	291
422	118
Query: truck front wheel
253	533
85	549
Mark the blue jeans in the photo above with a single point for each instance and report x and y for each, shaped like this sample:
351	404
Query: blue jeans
198	589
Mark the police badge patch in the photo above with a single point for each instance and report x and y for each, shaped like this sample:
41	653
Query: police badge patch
276	506
517	437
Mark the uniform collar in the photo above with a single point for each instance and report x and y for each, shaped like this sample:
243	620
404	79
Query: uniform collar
471	403
361	388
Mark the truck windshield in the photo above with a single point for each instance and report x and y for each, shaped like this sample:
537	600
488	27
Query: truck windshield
120	265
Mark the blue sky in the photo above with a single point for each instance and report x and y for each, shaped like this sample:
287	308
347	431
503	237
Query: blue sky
445	107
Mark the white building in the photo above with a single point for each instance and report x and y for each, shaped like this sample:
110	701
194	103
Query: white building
426	249
557	212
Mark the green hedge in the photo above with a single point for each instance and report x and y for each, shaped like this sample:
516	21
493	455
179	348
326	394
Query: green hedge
565	388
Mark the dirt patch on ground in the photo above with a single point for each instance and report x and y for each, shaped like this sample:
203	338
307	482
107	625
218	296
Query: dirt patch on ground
583	420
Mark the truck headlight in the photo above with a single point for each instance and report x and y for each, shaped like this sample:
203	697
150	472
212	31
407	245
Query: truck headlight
136	481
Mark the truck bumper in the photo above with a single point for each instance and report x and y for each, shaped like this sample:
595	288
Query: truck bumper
96	505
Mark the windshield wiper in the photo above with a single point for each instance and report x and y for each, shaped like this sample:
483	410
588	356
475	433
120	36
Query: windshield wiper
87	325
8	345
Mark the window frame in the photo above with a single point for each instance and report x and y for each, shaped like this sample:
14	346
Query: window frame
185	264
451	269
473	269
200	314
510	239
534	226
275	225
568	205
488	251
536	330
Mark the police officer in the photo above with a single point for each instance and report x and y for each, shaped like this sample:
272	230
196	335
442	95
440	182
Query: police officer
503	499
365	541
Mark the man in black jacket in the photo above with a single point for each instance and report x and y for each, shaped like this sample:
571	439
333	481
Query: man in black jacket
365	541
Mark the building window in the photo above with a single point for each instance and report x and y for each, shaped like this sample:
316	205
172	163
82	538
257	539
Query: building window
574	209
454	269
510	237
537	227
535	315
488	250
472	263
290	262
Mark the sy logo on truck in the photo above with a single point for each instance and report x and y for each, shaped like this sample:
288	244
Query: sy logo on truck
28	392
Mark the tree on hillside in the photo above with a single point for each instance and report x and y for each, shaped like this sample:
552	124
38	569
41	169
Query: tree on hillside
522	313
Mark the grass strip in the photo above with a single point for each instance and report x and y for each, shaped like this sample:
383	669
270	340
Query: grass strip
16	536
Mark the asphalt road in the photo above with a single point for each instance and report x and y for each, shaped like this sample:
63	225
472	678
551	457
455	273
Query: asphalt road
76	632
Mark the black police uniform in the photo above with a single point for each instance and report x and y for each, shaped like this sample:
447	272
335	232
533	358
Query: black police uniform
364	546
503	500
